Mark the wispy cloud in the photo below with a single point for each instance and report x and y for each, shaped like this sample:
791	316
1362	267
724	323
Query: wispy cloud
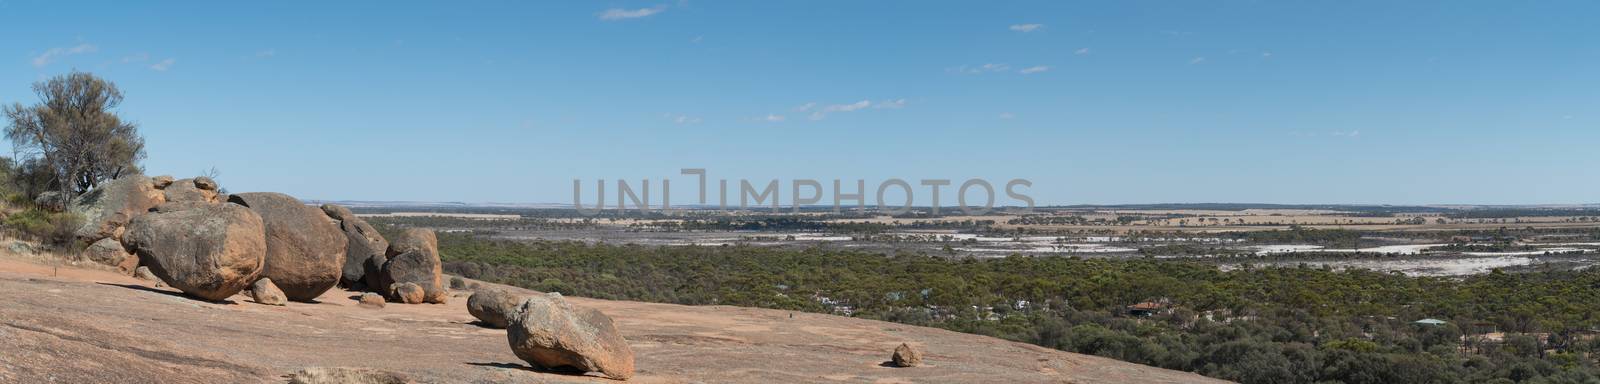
683	119
137	57
615	14
265	53
986	68
1197	60
1007	116
1025	28
997	68
164	65
772	118
820	111
53	54
1081	51
1266	54
1352	133
852	107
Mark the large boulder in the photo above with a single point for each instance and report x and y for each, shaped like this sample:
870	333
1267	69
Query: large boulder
112	204
414	258
210	252
199	189
362	243
547	332
493	306
110	252
305	250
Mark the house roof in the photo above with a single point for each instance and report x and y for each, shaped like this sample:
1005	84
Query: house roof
1430	322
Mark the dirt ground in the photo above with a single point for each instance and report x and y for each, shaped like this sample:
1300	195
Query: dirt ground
78	324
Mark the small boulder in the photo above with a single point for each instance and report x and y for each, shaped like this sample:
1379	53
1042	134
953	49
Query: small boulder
265	293
189	190
206	184
408	293
906	356
143	273
362	243
113	204
371	300
493	306
305	251
51	201
210	252
109	251
161	182
549	333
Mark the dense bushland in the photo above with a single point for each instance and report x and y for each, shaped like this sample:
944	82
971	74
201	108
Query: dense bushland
1255	325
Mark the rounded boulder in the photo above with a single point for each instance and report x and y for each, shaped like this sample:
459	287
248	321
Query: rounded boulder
413	257
547	332
362	243
493	307
113	204
209	252
305	250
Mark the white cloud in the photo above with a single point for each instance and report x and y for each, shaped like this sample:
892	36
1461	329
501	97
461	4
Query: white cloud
265	53
615	14
683	119
1081	51
1007	116
1025	28
1034	69
986	68
1197	60
824	111
164	64
698	39
819	112
141	56
772	118
55	53
1347	133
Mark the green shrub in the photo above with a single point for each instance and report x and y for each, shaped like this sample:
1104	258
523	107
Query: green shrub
54	228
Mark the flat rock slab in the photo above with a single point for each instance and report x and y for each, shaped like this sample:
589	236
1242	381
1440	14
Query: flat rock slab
98	326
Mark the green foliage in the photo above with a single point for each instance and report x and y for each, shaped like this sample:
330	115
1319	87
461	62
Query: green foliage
72	137
55	228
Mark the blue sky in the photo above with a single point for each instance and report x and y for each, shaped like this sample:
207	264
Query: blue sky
1414	102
